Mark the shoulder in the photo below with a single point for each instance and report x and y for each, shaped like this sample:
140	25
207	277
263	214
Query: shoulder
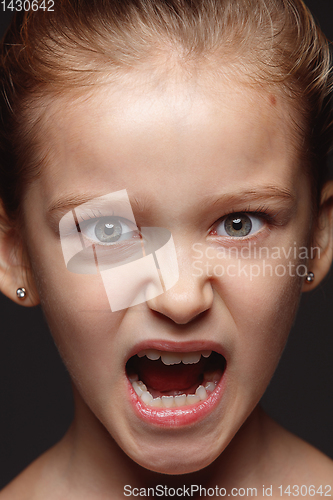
23	486
40	480
296	462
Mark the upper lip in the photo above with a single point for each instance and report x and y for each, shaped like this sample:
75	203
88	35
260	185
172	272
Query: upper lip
172	346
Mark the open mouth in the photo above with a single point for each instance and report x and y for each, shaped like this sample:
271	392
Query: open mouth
164	379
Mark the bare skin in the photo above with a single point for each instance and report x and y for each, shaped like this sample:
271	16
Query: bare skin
215	152
283	459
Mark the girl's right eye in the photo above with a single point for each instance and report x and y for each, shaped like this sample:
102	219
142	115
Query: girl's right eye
108	230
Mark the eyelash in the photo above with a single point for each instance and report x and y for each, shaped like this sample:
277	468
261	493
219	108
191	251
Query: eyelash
92	216
263	212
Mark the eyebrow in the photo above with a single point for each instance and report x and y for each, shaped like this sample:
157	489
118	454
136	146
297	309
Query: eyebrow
255	194
71	201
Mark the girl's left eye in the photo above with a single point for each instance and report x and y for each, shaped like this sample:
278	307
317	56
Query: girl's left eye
108	230
239	225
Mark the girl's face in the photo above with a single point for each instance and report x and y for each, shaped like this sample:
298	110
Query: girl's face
213	163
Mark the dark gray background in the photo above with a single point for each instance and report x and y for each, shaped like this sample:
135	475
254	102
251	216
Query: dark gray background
35	396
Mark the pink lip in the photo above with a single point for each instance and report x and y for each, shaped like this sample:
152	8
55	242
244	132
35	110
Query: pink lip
181	416
177	417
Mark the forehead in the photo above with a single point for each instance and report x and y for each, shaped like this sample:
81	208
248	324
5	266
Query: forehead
137	131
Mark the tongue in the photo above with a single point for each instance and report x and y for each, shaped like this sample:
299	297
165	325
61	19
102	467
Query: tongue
156	375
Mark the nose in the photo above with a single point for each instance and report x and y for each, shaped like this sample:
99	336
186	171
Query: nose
186	300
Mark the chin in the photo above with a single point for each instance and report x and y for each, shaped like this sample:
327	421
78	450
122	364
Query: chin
177	454
176	462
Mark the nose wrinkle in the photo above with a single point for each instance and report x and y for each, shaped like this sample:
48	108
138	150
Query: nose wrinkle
185	302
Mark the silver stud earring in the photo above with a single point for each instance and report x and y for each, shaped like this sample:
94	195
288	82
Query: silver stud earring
21	293
310	277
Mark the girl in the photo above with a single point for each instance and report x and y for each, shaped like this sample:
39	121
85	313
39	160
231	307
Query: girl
164	198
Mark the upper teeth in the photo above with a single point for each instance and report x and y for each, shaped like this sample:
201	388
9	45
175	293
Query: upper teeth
174	358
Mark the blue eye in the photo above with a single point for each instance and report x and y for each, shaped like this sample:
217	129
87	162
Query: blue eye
239	225
108	230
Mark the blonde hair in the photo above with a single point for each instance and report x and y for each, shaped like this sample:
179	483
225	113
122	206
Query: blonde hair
268	42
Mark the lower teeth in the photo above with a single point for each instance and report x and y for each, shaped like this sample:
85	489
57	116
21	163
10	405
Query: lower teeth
201	393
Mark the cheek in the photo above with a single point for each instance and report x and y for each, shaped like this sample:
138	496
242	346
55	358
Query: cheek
61	291
263	310
79	316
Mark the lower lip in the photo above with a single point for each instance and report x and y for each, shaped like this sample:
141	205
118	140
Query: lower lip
177	417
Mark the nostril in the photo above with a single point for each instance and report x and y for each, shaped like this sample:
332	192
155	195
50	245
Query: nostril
185	301
178	311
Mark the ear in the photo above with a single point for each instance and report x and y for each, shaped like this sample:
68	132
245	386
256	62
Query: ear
15	271
322	239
